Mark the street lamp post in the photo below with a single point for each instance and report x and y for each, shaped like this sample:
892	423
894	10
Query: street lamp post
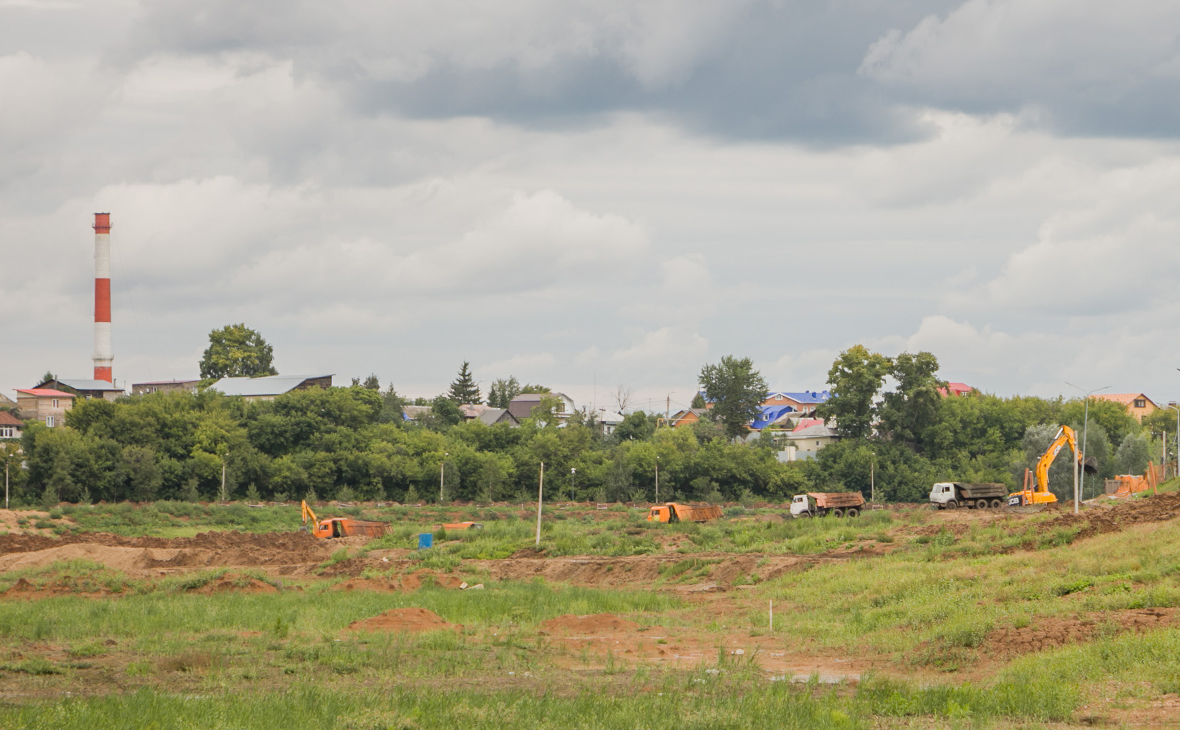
657	480
1177	409
873	477
573	483
1085	428
442	474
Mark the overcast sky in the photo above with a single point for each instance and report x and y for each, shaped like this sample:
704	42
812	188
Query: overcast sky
588	194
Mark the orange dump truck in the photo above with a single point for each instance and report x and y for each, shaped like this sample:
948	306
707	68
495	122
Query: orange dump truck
819	504
343	526
673	512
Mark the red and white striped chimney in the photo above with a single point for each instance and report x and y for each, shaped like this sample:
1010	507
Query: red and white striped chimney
103	356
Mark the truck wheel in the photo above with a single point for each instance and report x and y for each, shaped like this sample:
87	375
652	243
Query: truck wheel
838	512
952	504
803	514
851	512
996	504
981	504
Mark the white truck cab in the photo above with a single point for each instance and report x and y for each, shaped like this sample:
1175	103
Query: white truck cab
800	506
942	493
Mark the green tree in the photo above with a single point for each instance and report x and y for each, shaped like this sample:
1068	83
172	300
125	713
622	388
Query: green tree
855	378
237	351
502	392
392	406
1132	455
910	412
465	390
534	389
698	401
143	473
736	389
444	413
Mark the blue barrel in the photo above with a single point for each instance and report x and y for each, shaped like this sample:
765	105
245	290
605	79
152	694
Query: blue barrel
425	540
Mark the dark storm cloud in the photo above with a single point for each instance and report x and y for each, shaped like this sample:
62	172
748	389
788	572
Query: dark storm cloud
835	72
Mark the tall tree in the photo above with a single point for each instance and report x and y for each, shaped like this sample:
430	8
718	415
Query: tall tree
855	378
736	389
237	351
698	401
465	390
911	410
502	392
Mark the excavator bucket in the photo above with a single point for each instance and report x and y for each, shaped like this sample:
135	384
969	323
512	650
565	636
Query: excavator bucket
1090	466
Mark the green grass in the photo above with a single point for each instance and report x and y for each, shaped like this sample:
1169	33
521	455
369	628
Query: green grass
169	610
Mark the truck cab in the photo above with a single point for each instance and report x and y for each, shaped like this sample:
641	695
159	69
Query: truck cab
661	514
942	493
801	506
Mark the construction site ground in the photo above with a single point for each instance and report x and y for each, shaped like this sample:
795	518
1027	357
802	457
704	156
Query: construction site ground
904	602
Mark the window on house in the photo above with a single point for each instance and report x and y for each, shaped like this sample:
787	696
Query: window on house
817	444
1140	403
5	432
55	403
49	421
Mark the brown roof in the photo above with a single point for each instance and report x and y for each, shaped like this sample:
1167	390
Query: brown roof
7	419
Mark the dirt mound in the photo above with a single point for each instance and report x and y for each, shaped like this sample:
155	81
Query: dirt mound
24	590
409	620
300	546
1052	632
1103	520
597	623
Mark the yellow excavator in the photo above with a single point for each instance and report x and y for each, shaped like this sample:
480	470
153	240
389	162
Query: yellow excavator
1036	487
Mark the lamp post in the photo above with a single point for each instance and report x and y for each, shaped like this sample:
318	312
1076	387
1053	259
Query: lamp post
657	480
442	474
573	483
1176	473
224	494
873	477
1085	428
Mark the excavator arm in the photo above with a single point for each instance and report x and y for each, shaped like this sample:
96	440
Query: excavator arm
1038	493
308	514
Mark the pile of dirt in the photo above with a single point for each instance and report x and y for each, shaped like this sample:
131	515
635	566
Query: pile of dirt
1052	632
369	584
408	620
1103	520
597	623
24	590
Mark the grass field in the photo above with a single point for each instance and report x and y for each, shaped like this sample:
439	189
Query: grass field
899	618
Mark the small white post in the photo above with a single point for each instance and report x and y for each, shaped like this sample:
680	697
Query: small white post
772	615
540	495
224	495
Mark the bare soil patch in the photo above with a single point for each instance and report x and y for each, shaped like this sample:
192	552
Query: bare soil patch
591	624
1053	632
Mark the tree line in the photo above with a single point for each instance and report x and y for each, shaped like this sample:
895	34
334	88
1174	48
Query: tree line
354	443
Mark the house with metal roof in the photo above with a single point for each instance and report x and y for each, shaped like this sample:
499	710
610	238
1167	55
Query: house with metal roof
44	404
805	443
85	388
955	390
269	387
521	407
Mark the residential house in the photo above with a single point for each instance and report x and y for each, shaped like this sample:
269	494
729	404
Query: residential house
805	443
802	402
410	413
10	426
956	390
271	386
521	407
487	415
770	416
687	417
86	389
165	386
608	420
1137	404
44	404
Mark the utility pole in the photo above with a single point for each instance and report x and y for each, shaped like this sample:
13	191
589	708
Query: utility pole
442	473
657	480
224	494
1080	464
540	496
873	477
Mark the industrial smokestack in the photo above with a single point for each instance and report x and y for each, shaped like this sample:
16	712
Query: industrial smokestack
103	355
